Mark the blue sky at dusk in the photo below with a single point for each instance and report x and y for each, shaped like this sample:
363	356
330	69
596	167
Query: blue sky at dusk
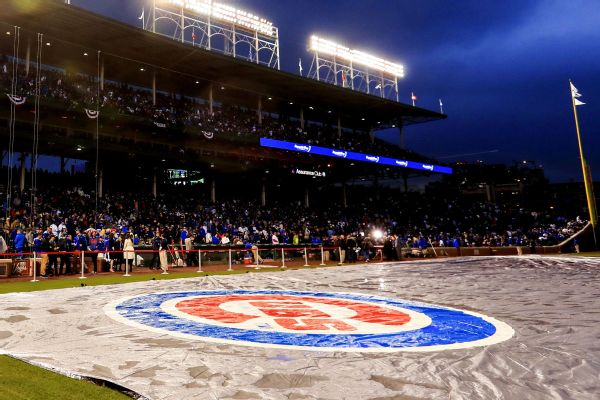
501	68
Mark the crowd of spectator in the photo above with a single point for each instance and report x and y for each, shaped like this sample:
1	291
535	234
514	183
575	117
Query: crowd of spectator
66	219
76	92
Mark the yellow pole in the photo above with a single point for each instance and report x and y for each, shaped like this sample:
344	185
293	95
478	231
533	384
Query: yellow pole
583	165
592	196
585	175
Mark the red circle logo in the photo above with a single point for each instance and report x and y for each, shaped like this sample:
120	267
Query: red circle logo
301	314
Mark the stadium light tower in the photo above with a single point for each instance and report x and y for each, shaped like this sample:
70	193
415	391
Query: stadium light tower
197	22
354	69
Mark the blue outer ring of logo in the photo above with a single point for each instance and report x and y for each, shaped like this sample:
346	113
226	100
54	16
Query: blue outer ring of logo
448	326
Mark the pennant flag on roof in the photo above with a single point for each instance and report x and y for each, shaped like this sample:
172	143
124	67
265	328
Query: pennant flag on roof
17	100
92	114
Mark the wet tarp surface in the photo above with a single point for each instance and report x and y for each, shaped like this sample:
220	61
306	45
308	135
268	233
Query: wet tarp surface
553	305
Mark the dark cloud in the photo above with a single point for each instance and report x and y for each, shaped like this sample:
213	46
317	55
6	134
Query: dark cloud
501	68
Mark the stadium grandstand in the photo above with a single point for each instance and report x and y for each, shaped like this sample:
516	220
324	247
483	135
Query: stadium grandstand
178	139
149	170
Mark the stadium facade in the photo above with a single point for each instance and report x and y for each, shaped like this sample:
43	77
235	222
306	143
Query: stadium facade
100	56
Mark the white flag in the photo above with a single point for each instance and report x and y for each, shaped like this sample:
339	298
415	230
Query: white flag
575	94
378	86
142	16
441	104
300	65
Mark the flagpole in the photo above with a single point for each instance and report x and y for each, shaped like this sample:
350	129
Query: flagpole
585	175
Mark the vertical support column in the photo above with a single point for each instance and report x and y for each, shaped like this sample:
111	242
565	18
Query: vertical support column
263	195
208	36
28	57
213	191
339	126
259	111
368	83
233	40
22	180
351	75
182	25
317	66
306	198
382	86
102	74
397	94
210	99
154	88
256	46
154	185
278	59
302	117
335	71
100	183
154	16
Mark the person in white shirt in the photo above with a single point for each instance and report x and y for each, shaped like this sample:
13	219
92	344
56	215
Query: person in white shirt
3	246
208	239
225	240
189	249
55	229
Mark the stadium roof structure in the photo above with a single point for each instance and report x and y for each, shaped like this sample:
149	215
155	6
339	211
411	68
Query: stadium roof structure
184	69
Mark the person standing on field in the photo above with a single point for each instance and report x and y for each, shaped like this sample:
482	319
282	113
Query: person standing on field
164	247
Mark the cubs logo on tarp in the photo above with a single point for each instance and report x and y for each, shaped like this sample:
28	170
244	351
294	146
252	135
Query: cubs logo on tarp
309	320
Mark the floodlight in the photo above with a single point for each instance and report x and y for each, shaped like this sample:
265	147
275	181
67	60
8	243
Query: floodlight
324	46
377	234
227	13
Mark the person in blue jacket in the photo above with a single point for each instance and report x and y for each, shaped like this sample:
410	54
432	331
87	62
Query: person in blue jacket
20	242
456	243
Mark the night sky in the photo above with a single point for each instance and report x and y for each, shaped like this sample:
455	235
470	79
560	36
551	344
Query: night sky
500	68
